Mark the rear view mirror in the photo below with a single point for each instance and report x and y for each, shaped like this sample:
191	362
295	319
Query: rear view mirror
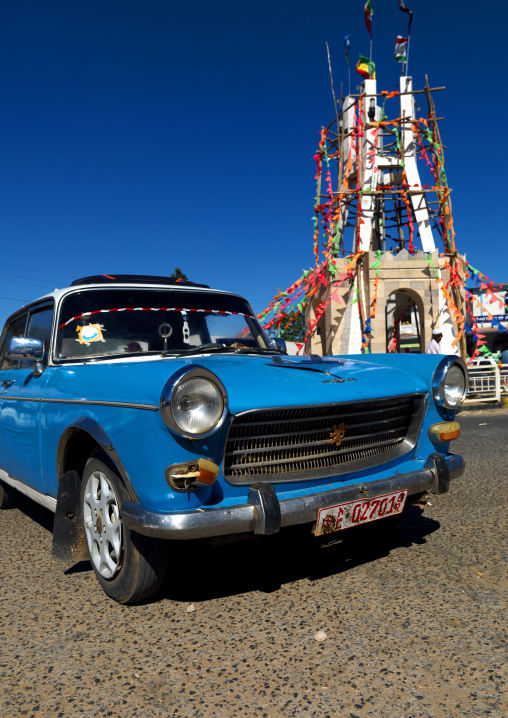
25	349
280	344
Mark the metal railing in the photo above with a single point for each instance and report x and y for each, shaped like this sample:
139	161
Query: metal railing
488	381
503	375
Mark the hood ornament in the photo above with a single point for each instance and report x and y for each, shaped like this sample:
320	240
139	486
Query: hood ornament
337	434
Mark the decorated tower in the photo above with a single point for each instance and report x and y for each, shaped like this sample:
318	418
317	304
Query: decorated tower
381	281
387	272
384	285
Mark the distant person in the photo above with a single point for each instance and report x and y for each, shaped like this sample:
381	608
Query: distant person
433	346
504	357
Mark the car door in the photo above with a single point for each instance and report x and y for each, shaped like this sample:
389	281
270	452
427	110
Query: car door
20	398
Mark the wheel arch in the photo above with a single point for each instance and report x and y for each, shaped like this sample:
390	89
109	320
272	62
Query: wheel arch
76	444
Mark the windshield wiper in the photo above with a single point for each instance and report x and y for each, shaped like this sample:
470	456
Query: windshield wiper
203	349
209	348
259	350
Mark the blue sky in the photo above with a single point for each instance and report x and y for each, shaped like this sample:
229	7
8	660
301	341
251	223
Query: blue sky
137	136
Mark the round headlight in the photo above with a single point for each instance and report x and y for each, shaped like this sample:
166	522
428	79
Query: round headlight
454	386
196	405
450	383
193	402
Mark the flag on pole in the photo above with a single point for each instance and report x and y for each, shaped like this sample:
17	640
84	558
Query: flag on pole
368	16
347	47
410	13
366	68
401	49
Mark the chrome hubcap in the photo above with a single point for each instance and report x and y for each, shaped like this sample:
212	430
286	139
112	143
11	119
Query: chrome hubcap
103	526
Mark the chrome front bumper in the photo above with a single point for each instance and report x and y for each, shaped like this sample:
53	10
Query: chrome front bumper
265	514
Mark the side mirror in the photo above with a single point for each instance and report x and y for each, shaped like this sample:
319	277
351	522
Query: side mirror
280	344
25	349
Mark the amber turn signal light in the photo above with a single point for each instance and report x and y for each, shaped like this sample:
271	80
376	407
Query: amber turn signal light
192	474
444	431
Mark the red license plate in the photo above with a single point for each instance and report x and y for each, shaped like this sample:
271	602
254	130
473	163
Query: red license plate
354	513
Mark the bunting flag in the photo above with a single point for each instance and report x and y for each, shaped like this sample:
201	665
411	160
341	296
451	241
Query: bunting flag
401	48
368	16
477	276
409	12
347	47
320	309
500	327
366	68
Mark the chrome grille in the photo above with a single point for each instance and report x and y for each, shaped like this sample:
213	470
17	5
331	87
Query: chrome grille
294	443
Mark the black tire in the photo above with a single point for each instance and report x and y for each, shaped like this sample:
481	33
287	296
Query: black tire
129	567
7	500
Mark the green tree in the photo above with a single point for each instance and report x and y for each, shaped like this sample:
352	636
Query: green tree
178	274
296	331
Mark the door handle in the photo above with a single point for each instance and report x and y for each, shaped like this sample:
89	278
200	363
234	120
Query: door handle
6	383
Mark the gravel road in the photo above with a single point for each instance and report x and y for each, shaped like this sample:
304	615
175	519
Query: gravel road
412	621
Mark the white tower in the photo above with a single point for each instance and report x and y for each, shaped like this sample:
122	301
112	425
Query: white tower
369	171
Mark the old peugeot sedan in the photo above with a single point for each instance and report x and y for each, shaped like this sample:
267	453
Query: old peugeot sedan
143	411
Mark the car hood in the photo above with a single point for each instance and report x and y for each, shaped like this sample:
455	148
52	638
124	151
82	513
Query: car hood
252	382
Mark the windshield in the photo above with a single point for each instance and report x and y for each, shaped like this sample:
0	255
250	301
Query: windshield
105	322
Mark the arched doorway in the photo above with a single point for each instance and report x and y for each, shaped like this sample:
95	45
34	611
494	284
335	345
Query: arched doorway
404	325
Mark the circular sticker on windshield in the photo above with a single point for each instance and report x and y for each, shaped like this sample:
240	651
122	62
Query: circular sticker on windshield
90	333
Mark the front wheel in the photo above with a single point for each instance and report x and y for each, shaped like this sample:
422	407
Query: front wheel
130	567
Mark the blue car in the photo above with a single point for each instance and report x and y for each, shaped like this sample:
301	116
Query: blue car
143	411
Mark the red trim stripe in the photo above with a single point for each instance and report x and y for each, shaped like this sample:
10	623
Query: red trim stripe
151	309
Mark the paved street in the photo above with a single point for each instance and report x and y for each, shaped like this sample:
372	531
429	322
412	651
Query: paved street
413	620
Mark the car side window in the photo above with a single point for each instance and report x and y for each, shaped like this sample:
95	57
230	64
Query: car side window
15	329
40	324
